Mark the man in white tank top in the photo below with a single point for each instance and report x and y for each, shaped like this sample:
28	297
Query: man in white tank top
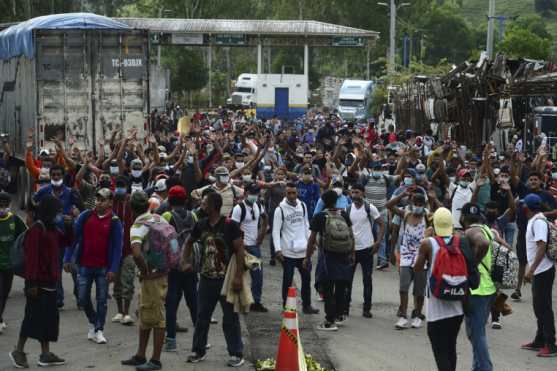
444	318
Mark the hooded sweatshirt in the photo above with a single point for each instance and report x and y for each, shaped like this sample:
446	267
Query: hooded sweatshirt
291	229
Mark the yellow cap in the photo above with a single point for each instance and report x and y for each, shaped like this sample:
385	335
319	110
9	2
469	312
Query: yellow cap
443	222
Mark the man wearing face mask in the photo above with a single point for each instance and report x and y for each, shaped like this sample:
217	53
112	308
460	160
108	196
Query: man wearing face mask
71	206
460	194
248	215
308	190
137	175
230	193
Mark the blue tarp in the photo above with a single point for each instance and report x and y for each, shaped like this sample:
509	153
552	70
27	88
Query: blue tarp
18	39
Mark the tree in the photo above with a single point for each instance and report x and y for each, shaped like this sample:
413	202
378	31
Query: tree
522	43
533	23
545	7
187	70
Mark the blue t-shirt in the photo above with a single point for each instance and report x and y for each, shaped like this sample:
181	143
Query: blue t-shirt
342	203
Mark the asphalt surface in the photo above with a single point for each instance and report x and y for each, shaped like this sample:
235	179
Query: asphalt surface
362	344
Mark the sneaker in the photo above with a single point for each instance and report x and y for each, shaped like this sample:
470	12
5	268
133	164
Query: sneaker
99	337
134	361
310	310
327	326
19	359
340	321
402	323
367	314
91	334
118	317
548	351
50	359
149	366
196	358
235	361
321	298
496	325
127	320
516	296
258	307
532	346
417	322
382	266
3	326
169	345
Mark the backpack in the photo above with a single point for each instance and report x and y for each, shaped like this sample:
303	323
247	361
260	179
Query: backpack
17	252
243	210
449	275
368	212
551	246
162	250
504	263
183	225
337	236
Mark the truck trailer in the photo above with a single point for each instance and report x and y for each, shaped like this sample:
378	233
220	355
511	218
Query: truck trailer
78	75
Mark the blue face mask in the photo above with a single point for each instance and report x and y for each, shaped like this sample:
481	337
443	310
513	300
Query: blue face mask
119	191
58	219
376	174
408	181
418	209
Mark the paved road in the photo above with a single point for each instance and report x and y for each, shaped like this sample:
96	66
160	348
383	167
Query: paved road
363	344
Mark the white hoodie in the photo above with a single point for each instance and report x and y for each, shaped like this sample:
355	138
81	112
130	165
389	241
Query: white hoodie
291	236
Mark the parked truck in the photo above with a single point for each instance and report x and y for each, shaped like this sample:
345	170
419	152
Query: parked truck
354	99
77	75
244	91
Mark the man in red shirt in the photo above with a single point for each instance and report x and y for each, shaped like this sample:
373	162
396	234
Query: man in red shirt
97	253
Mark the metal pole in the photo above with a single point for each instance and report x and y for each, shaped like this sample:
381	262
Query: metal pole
159	45
227	54
368	52
306	67
490	26
259	57
210	63
392	36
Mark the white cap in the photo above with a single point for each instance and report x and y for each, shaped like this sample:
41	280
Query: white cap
163	155
160	185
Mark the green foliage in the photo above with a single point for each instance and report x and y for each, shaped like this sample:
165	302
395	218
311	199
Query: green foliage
545	7
533	23
523	43
187	69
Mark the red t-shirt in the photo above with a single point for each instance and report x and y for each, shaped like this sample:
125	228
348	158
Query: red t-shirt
96	233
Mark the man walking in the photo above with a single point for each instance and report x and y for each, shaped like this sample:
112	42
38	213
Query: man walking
363	216
251	217
97	253
336	256
480	299
221	241
542	275
290	237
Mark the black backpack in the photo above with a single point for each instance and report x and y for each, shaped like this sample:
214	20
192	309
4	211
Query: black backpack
244	212
471	263
368	212
183	224
17	252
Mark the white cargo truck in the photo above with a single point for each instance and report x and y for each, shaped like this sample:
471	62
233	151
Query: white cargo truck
354	99
244	91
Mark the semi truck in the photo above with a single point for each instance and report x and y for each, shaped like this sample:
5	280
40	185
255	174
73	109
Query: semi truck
244	91
79	76
354	99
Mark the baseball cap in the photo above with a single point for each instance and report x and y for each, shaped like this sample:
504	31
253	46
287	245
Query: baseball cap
44	152
221	170
5	197
139	198
410	172
104	193
136	161
162	148
160	185
177	192
443	222
253	189
420	168
226	155
463	172
163	155
471	209
533	201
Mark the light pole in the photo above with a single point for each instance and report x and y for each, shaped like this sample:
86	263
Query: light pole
392	33
490	26
161	12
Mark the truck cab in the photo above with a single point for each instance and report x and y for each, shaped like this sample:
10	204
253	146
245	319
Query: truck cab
545	127
354	99
244	92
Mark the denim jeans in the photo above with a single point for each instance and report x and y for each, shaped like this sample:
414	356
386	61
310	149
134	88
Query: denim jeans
509	233
288	267
209	295
383	253
60	287
365	259
476	319
256	275
180	283
85	278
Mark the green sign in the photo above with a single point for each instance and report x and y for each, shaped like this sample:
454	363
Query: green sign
230	40
155	38
347	41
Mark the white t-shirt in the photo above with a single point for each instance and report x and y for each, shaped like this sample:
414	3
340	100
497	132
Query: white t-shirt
537	231
250	223
461	197
363	236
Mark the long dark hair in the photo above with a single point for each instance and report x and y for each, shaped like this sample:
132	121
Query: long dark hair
46	211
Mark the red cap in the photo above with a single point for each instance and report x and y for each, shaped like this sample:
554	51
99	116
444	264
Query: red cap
177	192
463	172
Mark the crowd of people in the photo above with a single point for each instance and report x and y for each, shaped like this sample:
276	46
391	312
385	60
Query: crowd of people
181	213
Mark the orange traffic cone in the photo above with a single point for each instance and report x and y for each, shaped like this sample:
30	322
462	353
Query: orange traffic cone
290	355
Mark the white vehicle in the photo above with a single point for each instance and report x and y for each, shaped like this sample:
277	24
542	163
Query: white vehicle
354	99
281	95
244	92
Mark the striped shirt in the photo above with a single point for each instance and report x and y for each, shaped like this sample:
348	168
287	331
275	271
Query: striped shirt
375	191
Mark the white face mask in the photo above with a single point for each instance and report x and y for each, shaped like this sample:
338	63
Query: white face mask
224	179
114	170
239	164
190	159
251	199
246	178
57	183
338	190
136	173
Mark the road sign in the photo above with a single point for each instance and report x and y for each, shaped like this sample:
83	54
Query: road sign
187	39
230	40
347	41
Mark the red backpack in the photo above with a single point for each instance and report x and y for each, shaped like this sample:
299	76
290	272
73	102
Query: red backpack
449	276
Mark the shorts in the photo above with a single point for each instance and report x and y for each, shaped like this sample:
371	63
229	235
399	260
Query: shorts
407	275
521	248
151	303
125	279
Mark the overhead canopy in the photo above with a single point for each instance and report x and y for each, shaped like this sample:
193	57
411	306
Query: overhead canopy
18	39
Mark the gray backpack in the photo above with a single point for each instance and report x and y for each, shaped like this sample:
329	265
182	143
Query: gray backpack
337	236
